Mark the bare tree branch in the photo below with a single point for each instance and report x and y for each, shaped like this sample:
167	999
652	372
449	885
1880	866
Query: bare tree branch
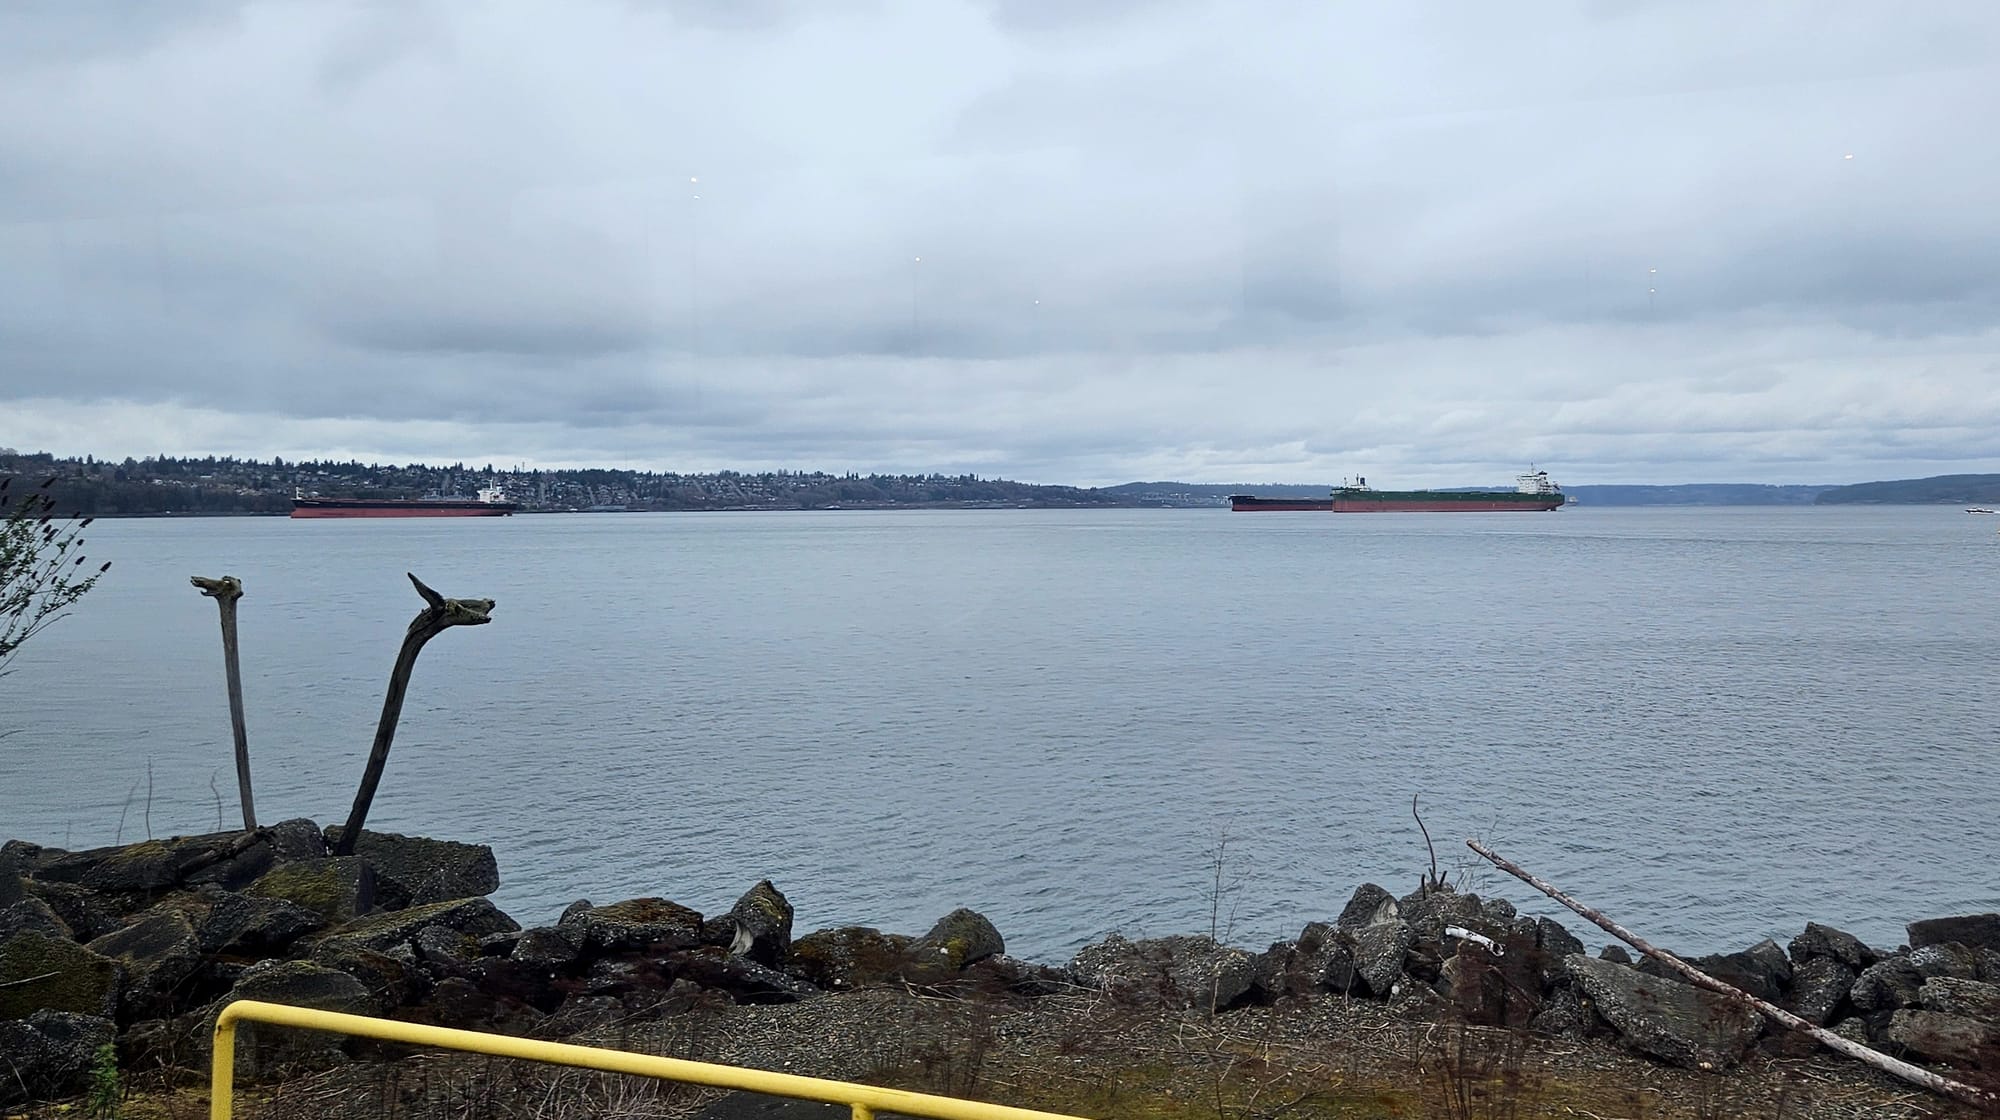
439	614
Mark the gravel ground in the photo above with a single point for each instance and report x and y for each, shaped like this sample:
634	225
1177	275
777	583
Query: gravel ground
1080	1053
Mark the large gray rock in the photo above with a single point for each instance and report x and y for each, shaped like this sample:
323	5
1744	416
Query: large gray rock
715	968
1557	941
49	1055
285	842
473	917
1428	912
87	914
416	870
1503	989
1675	1022
13	888
1953	959
1181	972
1981	931
550	948
393	979
1371	905
1972	999
1565	1014
960	938
30	913
1762	970
337	889
759	926
261	1048
1379	951
1887	984
1819	986
249	924
159	953
1825	941
1942	1037
636	925
149	867
40	972
1320	960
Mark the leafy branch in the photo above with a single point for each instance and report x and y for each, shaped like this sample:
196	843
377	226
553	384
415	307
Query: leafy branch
41	565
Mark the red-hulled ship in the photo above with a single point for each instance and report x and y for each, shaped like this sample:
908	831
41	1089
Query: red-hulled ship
1533	491
491	502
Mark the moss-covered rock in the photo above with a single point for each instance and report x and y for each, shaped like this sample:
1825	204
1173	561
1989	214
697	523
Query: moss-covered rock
852	957
262	1050
148	868
475	917
962	937
759	926
636	924
159	954
61	976
416	870
392	981
337	889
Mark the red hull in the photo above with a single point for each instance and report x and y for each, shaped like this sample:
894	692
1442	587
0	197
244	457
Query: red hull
1535	504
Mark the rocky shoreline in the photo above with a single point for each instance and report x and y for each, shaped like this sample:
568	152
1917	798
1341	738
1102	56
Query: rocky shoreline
137	947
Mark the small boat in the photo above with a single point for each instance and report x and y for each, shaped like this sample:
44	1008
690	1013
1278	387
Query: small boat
1977	509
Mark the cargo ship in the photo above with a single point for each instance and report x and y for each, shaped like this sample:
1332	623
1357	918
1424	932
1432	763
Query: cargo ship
1532	491
491	502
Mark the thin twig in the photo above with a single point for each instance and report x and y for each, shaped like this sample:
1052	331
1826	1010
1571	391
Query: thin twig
29	980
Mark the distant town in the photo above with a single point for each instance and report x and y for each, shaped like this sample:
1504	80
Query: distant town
160	485
165	485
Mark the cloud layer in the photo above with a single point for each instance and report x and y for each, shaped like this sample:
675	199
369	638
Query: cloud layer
1081	243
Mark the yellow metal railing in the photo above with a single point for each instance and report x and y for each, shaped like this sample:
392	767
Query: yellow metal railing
863	1099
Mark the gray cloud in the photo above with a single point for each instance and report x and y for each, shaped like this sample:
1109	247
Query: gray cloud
1199	240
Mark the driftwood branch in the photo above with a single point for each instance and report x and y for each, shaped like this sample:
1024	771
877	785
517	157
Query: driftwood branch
439	614
1915	1075
1433	882
225	592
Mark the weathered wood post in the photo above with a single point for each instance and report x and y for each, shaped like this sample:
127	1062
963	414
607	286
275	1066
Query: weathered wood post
225	592
439	615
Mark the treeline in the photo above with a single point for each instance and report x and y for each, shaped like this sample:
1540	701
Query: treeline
1956	489
226	485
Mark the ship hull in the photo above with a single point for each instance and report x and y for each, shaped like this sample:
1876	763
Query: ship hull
354	507
1412	501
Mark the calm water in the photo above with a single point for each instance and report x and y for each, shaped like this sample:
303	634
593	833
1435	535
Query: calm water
1713	723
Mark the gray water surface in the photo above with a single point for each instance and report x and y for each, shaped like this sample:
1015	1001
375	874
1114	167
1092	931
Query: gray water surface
1715	724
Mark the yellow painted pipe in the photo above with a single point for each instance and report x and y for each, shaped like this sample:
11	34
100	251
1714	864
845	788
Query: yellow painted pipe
863	1099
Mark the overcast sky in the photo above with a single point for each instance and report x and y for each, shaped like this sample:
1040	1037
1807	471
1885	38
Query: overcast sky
1056	240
